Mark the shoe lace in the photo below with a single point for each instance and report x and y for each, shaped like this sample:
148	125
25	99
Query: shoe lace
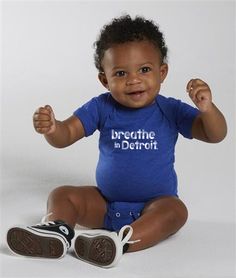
44	222
125	239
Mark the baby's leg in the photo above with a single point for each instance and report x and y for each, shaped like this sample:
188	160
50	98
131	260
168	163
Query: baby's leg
83	205
67	206
160	218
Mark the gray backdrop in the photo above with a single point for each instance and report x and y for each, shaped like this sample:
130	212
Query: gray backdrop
47	49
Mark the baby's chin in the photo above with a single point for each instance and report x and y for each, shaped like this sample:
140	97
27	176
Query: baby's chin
138	105
136	102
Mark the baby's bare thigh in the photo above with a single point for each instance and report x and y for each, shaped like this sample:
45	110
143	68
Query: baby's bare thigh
166	204
92	206
88	202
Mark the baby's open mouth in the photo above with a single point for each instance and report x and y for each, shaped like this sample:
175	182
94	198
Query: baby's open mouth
136	93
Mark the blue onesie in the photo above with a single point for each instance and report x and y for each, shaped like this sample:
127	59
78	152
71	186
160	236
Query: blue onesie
137	151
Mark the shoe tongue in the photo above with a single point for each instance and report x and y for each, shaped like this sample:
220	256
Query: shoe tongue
58	222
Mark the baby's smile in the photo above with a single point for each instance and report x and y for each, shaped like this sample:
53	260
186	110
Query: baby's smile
137	95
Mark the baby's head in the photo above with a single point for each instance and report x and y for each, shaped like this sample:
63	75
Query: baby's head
125	29
131	59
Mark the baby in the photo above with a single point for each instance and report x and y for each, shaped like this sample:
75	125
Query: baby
135	204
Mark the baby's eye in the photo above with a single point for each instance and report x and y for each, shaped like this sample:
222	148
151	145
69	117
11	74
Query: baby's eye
145	69
120	73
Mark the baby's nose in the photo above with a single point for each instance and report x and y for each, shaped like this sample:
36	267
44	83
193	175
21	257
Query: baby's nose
133	79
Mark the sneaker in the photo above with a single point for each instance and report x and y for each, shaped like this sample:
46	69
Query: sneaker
49	239
102	248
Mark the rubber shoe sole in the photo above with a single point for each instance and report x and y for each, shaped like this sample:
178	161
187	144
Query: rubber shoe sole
97	250
34	244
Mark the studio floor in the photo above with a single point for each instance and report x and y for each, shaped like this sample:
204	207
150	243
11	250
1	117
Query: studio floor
200	249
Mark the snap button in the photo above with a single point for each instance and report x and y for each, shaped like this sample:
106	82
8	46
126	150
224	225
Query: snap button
130	213
117	214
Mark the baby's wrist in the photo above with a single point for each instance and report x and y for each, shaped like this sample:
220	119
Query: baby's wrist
208	109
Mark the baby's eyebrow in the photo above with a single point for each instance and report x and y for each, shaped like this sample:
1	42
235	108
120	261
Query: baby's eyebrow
137	65
146	63
119	67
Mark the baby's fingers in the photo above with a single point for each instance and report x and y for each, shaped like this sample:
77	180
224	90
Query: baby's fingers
197	93
43	119
193	84
43	130
189	86
42	123
51	113
42	126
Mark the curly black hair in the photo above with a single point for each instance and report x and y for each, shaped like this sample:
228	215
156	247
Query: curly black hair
125	29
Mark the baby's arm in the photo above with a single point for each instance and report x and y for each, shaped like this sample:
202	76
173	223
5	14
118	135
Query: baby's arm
210	125
59	134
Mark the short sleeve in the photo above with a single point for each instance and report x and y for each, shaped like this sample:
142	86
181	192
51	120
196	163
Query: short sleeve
89	116
94	113
181	115
185	115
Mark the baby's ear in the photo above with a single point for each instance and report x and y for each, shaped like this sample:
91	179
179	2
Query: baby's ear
163	71
103	79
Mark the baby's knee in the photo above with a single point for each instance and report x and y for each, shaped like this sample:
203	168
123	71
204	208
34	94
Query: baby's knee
175	211
60	192
181	212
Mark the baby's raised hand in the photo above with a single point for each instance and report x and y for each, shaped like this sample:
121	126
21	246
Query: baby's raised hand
44	120
200	94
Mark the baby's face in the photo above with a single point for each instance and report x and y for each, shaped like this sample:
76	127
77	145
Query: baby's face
133	73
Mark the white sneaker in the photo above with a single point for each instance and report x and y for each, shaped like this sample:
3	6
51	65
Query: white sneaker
101	247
